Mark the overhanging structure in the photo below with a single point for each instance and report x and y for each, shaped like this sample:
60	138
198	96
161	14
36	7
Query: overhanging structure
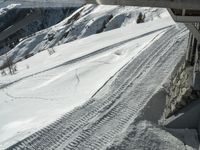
178	4
183	10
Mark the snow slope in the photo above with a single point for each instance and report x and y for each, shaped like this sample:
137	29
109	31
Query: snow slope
48	17
44	89
86	21
117	98
101	86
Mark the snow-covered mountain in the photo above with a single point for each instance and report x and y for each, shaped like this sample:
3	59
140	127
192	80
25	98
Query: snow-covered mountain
47	17
86	21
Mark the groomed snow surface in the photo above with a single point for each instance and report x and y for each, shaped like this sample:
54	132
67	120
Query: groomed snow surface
99	87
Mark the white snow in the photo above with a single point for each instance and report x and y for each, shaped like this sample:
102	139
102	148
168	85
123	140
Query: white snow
3	10
86	21
45	87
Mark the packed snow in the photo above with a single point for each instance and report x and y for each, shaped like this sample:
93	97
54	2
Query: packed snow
98	85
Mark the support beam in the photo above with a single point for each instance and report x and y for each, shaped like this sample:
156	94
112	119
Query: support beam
183	18
196	73
193	30
189	51
178	4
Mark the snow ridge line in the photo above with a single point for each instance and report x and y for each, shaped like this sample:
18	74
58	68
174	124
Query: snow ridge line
75	60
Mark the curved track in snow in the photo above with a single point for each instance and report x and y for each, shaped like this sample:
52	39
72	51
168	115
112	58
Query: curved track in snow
95	124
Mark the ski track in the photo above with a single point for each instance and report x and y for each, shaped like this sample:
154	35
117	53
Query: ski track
94	125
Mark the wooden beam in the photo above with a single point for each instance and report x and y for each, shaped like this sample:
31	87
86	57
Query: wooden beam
178	4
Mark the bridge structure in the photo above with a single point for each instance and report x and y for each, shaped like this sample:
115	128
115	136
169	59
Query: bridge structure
184	11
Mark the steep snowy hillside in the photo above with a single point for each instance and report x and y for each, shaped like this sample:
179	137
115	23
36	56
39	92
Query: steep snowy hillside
10	15
101	67
97	91
86	21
